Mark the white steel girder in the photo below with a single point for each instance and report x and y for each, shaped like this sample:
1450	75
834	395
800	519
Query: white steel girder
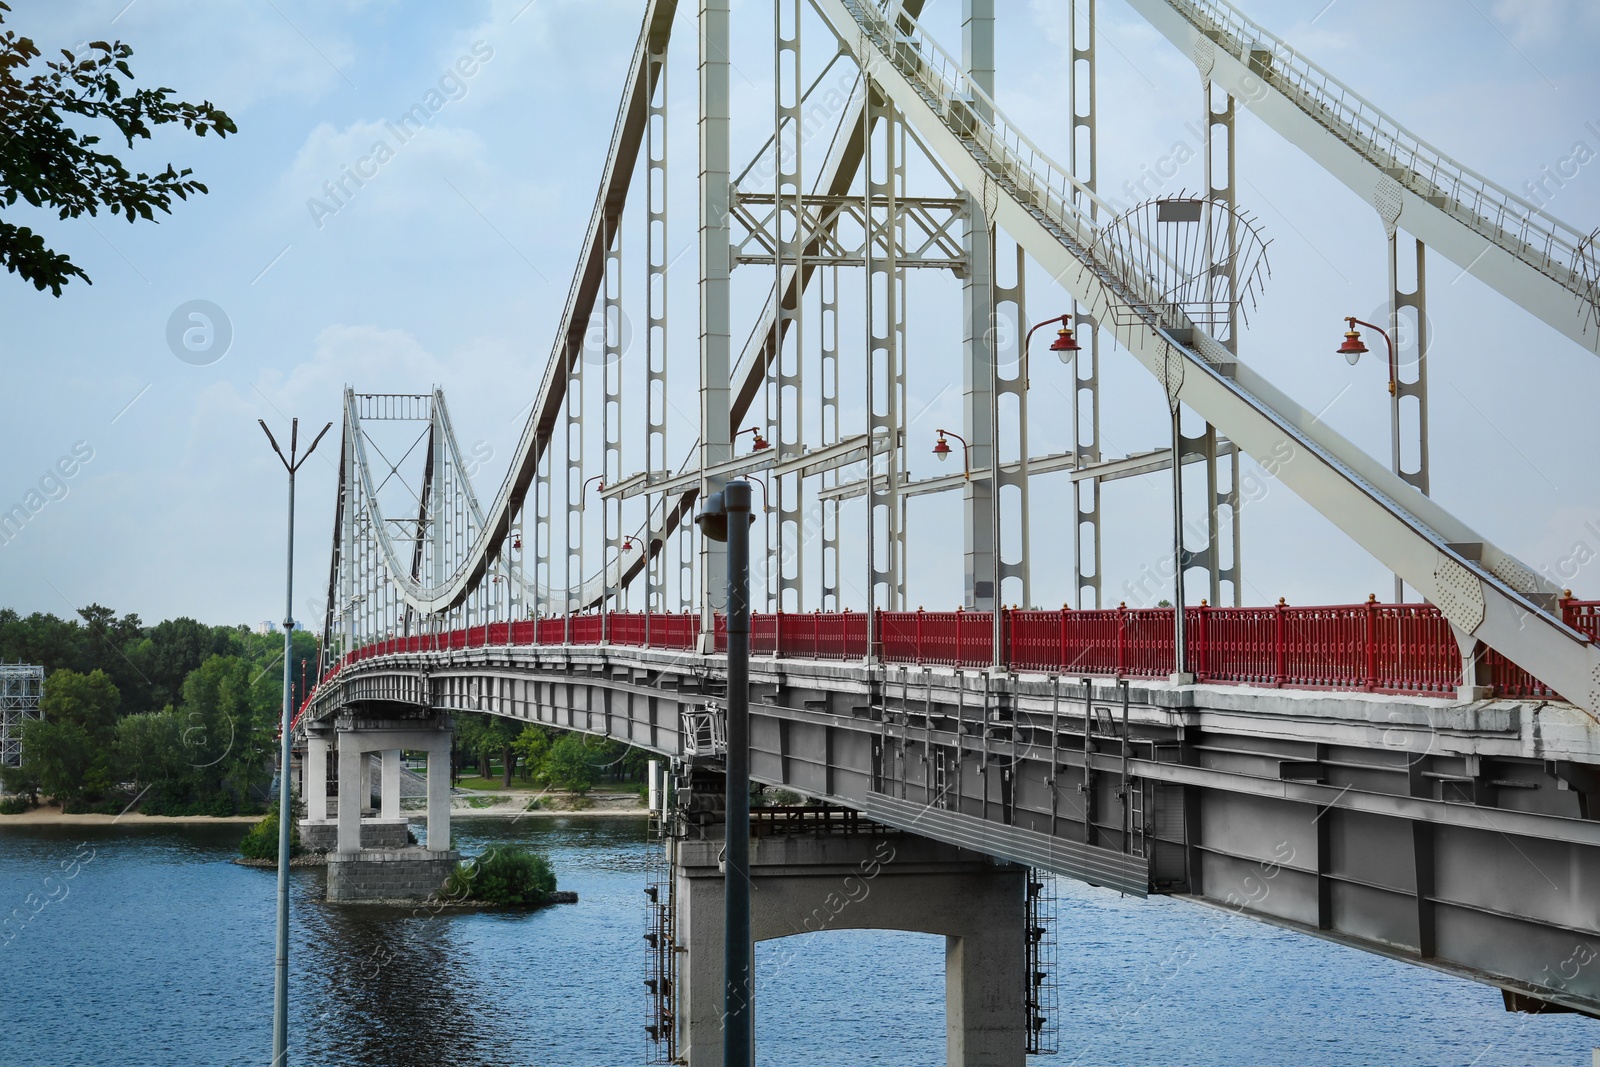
1527	255
1482	590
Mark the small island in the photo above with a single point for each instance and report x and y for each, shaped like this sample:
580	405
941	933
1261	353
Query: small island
506	876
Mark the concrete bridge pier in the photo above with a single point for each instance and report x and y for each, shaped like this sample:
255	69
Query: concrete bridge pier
372	859
807	882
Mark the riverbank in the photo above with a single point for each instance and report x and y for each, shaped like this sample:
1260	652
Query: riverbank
496	805
515	804
52	815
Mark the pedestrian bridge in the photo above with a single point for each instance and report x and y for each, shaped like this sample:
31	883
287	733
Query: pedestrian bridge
1416	779
1328	779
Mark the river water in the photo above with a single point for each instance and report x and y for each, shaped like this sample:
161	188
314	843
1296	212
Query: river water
151	948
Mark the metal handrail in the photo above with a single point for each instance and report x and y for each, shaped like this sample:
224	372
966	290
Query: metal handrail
1040	182
1529	233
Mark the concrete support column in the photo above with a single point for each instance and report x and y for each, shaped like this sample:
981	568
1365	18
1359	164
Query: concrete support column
315	787
439	794
352	762
389	788
984	975
852	882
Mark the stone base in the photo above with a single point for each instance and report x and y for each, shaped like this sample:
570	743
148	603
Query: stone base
323	835
388	875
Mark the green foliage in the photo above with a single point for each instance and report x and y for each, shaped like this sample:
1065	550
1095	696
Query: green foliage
14	805
569	764
23	780
50	163
261	843
483	737
503	875
183	714
68	751
531	745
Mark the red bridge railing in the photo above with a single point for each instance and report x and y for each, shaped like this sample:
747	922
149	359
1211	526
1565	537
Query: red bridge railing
1375	648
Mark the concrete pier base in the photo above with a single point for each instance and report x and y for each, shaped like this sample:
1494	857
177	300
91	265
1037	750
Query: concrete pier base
322	835
892	881
400	875
370	858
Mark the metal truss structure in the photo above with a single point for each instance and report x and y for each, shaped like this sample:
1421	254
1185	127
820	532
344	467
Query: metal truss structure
889	153
20	689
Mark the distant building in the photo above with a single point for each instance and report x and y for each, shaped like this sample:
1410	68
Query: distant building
20	689
267	627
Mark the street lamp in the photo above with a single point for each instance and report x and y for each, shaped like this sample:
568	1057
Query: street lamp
280	995
1352	349
757	443
583	490
1064	345
942	450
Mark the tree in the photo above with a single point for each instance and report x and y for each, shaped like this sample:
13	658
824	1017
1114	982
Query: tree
107	642
531	745
483	737
51	165
229	721
150	753
170	650
568	766
68	750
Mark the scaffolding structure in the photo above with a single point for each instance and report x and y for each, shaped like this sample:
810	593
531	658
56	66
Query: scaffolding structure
20	688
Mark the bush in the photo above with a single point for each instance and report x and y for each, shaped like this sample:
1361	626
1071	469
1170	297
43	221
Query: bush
503	875
14	805
261	843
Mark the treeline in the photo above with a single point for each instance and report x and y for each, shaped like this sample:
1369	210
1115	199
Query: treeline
180	715
570	761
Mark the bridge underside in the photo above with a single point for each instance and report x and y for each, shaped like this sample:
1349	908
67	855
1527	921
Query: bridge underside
808	882
1456	837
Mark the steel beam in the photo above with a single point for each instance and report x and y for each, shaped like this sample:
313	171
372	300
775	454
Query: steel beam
715	350
1495	597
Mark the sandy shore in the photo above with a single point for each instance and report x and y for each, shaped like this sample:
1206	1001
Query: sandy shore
53	816
541	813
511	806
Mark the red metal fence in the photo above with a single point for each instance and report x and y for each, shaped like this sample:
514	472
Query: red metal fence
1371	647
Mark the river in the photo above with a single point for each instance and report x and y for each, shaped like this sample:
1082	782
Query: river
153	949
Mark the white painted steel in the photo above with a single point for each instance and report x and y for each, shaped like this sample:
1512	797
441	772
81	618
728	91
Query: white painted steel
1411	534
1528	255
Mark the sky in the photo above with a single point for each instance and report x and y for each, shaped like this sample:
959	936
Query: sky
449	263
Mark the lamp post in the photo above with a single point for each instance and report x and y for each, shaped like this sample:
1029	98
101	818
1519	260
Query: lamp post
942	450
280	996
757	442
1352	349
727	518
1064	345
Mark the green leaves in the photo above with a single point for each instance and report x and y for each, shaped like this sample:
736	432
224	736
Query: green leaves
503	875
50	163
261	842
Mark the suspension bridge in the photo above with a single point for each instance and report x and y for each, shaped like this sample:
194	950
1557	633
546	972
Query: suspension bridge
1419	780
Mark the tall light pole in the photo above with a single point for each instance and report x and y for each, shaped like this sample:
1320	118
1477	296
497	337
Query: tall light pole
280	997
727	517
